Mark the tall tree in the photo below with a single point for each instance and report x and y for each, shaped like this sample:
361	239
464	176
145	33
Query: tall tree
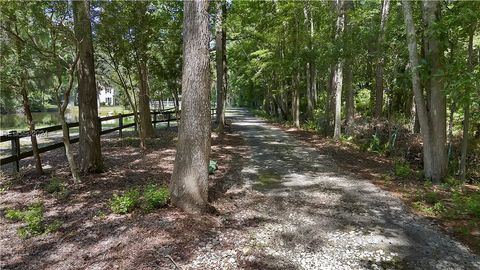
379	85
189	184
432	109
220	46
338	72
23	49
466	110
89	143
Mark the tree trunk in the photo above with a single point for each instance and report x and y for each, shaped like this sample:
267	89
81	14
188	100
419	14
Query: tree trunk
433	122
310	66
380	61
62	107
330	102
220	39
144	102
296	100
438	102
31	128
89	135
338	73
68	149
189	185
466	111
350	105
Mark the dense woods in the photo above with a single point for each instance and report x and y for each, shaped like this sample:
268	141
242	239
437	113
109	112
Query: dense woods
393	83
335	66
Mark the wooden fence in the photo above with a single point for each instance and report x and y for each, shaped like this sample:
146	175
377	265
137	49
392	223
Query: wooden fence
14	136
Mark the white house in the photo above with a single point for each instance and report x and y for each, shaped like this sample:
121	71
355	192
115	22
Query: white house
106	95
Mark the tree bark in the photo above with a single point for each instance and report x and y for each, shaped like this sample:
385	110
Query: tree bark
338	73
144	102
466	111
433	121
296	100
89	136
31	127
380	61
189	185
62	107
310	66
220	40
350	105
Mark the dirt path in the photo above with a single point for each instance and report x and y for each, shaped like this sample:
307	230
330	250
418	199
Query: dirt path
297	210
281	205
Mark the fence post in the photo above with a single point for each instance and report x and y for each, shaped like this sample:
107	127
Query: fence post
15	149
120	125
168	119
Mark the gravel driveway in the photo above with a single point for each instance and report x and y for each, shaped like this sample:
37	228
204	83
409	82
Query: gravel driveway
294	209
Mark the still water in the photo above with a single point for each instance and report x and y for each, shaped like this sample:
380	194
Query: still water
17	121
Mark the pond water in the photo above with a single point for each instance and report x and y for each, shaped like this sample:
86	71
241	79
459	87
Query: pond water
41	119
17	121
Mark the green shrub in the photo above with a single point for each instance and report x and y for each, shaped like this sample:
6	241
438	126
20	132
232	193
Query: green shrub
155	197
33	218
401	168
438	207
58	188
310	125
212	166
124	203
472	205
431	197
54	185
375	145
345	138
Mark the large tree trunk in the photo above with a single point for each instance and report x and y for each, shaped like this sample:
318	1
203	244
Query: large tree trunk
144	102
380	61
433	121
466	112
338	73
89	136
437	99
220	39
189	185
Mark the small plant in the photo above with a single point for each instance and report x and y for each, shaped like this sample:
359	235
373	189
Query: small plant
33	217
345	139
310	125
212	166
58	188
54	185
431	197
124	203
401	168
155	197
472	205
375	144
438	207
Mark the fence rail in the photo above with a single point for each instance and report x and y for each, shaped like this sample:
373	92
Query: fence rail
14	136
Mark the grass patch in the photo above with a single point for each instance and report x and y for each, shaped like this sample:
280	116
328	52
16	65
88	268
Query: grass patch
58	188
124	203
155	197
33	219
401	168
